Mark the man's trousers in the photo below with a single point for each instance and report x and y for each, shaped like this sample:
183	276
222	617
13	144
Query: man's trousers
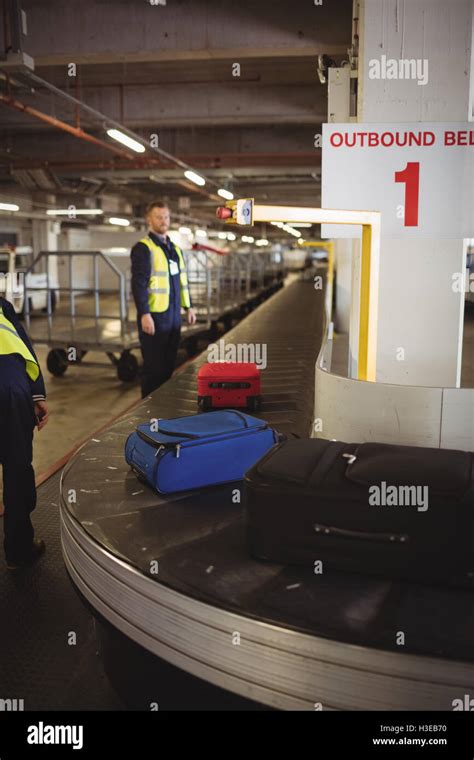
159	353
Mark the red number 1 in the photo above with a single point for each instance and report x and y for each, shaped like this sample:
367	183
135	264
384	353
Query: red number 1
411	177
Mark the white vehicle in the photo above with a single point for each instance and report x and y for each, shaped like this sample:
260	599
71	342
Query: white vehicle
13	267
11	283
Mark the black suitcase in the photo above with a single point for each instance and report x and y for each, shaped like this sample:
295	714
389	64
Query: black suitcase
402	512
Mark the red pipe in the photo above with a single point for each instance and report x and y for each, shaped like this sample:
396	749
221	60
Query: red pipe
201	247
75	131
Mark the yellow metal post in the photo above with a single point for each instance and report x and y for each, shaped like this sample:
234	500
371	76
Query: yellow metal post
370	222
364	307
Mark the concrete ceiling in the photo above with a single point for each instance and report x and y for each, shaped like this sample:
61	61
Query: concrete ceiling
168	70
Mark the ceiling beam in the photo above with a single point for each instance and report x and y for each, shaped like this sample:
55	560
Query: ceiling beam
190	56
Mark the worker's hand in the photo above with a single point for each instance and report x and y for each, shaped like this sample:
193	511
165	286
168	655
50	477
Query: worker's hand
42	413
191	317
148	326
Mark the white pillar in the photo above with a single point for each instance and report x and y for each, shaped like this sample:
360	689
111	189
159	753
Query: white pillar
418	310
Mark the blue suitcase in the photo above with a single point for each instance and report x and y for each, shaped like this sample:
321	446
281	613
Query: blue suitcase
201	450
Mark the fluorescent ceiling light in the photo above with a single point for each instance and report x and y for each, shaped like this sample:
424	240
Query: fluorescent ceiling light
225	194
9	207
129	142
301	224
262	241
288	228
222	235
74	212
201	233
184	230
119	221
247	239
231	236
193	177
291	228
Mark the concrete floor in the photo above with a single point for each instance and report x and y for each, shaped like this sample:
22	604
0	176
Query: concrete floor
80	401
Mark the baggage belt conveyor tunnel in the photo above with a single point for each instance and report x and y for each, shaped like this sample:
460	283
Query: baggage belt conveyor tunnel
174	590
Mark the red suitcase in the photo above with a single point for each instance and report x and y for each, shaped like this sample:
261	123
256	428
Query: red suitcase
229	384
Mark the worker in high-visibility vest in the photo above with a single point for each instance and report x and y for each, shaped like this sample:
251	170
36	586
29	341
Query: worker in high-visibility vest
22	408
160	289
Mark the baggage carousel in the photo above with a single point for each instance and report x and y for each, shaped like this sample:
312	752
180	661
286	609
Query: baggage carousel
175	591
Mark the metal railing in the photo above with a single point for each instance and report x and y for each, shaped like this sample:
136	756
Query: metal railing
69	323
220	283
95	314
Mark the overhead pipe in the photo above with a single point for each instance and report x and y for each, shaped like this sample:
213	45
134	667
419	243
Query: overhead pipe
110	122
13	24
77	132
52	121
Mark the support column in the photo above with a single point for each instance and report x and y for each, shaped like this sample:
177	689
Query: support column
420	316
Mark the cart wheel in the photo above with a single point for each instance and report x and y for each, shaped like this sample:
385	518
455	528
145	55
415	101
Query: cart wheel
57	362
204	403
127	367
139	475
254	403
79	354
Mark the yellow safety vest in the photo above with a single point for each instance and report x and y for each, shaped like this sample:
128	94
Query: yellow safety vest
11	343
159	283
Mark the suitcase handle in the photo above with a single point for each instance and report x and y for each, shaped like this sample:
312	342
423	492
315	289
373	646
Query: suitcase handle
229	385
388	538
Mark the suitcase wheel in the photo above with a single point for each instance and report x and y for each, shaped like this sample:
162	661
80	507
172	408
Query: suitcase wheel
254	544
139	475
253	403
204	403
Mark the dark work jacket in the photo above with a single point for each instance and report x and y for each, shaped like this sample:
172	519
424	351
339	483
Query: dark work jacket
12	366
141	272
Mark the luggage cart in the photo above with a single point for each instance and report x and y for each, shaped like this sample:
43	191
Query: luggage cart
257	276
81	317
213	284
86	318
